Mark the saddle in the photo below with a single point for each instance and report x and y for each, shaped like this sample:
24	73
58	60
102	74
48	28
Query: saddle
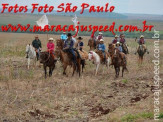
70	54
102	58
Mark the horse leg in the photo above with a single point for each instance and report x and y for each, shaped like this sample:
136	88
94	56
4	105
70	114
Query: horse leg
50	71
83	64
74	68
45	71
97	67
28	62
79	68
123	70
64	69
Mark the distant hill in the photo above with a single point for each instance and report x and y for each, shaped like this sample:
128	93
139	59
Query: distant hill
143	16
113	15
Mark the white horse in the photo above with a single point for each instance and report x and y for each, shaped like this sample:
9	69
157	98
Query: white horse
31	54
96	59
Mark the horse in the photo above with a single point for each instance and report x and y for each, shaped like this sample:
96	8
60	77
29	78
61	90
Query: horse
66	60
91	44
119	60
48	60
60	44
96	60
141	51
125	48
31	54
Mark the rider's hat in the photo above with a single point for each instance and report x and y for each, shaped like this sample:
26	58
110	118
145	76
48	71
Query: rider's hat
69	34
79	38
116	36
100	33
51	39
101	40
64	32
141	36
118	43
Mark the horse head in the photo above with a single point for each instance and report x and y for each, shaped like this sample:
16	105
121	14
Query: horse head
90	55
116	53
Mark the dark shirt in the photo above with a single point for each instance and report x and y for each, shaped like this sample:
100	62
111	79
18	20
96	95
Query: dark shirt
36	44
69	43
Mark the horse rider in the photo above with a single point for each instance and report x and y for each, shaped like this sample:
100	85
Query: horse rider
119	47
122	40
93	37
63	36
141	41
37	45
68	47
51	47
115	40
101	47
100	36
79	46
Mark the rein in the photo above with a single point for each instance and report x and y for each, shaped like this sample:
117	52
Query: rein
47	58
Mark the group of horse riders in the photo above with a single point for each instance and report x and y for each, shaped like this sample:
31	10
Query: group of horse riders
71	45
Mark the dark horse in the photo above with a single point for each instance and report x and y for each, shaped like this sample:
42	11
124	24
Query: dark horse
141	51
47	59
92	44
125	48
119	60
66	59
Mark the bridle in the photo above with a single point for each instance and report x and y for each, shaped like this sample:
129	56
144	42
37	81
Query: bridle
47	58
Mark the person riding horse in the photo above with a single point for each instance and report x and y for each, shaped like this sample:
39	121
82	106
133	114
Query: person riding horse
68	47
63	36
101	47
141	41
51	47
115	40
37	45
79	46
118	45
122	40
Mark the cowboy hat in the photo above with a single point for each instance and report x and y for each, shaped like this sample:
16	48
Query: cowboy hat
51	39
64	32
80	38
69	34
116	36
118	43
141	36
100	33
101	40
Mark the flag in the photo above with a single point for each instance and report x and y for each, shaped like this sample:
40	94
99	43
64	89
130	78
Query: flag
43	21
75	21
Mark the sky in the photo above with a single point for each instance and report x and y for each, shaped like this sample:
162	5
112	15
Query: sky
121	6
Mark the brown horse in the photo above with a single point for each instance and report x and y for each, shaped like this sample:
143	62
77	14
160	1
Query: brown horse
111	50
66	59
60	44
48	60
119	60
91	44
141	51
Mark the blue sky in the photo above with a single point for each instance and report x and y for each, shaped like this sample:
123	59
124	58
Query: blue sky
121	6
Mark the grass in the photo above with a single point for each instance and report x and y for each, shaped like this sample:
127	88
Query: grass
53	95
125	81
134	117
